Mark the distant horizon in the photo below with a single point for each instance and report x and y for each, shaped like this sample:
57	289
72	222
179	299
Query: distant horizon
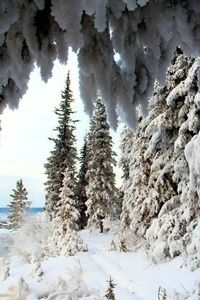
27	208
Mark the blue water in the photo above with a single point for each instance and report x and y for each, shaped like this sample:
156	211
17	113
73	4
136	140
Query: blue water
4	211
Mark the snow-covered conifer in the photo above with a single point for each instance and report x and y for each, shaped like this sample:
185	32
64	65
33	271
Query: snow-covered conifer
4	267
161	202
81	185
66	243
68	212
65	239
101	191
176	126
127	138
63	155
18	205
125	147
110	291
135	186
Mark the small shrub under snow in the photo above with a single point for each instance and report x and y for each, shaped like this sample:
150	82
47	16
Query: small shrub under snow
123	238
59	289
65	243
31	240
4	269
39	239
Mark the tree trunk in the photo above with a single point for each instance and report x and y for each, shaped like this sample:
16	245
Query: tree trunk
101	227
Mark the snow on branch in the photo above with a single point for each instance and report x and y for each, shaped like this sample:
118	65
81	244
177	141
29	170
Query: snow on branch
144	33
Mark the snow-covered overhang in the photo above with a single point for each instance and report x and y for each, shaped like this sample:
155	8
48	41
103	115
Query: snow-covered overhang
145	34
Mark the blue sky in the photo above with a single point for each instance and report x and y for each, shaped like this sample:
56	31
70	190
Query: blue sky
24	144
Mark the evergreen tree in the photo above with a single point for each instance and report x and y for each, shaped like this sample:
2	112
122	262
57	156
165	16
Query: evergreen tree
18	205
127	143
81	185
135	186
110	291
63	155
126	147
101	191
68	213
171	231
65	239
162	202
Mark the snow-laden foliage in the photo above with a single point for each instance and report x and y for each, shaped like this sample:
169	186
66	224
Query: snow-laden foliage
18	205
177	199
67	212
37	270
122	235
135	185
102	194
192	154
110	291
54	289
65	242
19	291
125	147
144	34
4	267
39	239
75	289
31	240
162	201
63	155
82	183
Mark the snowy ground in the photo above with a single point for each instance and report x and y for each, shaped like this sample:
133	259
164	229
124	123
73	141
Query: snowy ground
135	277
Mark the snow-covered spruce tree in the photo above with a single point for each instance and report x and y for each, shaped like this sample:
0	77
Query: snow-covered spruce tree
68	212
18	205
65	239
135	185
126	147
170	232
81	185
192	154
63	155
110	291
101	192
168	208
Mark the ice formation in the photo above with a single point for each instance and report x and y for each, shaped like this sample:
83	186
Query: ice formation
144	33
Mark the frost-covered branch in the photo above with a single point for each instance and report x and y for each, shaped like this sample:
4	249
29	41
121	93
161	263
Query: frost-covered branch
144	33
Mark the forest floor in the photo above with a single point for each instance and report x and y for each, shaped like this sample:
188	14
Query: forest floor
136	278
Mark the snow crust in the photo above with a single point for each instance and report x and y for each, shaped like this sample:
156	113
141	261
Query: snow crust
144	34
